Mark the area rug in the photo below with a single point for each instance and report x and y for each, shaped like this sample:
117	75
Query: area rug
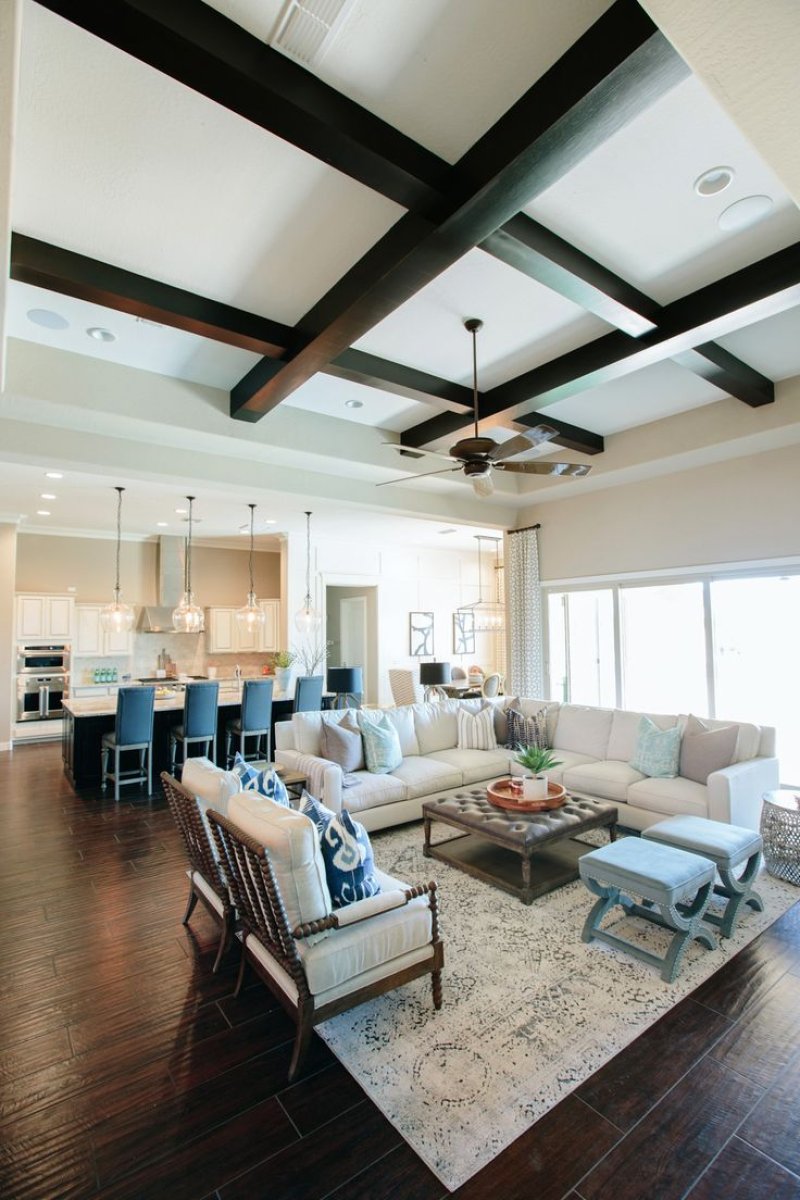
529	1010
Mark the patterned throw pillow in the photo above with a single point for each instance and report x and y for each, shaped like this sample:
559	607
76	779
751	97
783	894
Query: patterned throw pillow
268	782
316	810
349	862
657	750
527	731
476	730
340	742
381	744
501	718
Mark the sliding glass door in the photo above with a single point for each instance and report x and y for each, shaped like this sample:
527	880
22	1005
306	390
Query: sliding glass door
581	661
663	648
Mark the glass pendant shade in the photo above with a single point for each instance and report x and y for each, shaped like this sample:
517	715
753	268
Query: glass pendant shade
188	616
251	618
308	620
117	617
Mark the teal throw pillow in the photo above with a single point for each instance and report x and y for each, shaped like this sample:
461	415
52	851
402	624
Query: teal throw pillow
658	751
381	744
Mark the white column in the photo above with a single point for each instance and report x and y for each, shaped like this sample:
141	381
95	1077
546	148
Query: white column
8	565
10	36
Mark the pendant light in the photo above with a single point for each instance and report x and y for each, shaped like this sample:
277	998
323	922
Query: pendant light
489	615
251	618
187	617
117	617
308	620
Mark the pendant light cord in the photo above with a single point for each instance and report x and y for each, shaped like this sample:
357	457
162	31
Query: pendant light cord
119	491
474	333
252	517
308	561
189	551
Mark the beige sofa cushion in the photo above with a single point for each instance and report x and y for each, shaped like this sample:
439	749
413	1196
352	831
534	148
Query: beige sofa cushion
582	729
609	780
625	732
403	721
370	791
475	766
306	727
422	775
567	759
670	797
436	726
293	845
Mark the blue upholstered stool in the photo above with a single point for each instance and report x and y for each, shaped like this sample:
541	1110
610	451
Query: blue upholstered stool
675	887
728	846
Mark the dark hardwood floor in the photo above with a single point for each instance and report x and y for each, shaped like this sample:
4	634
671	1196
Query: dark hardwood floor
128	1070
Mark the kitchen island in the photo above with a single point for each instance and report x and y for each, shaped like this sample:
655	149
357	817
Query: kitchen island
86	720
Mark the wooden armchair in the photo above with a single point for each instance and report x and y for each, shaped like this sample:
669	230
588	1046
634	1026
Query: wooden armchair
324	966
206	879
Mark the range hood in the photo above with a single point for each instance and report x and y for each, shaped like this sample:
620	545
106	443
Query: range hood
157	618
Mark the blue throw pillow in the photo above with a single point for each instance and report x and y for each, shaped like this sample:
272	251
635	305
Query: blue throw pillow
381	744
658	751
316	810
349	862
268	782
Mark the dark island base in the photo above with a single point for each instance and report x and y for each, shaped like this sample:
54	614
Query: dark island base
82	736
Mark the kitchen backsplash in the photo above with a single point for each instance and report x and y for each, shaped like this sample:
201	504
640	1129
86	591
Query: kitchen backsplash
187	651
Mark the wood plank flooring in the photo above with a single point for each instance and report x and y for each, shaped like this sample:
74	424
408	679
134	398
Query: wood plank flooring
128	1070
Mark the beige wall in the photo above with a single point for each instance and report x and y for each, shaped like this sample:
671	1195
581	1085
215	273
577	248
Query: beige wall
730	512
57	564
8	549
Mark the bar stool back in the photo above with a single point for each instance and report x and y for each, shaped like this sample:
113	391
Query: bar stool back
133	730
255	720
199	722
308	693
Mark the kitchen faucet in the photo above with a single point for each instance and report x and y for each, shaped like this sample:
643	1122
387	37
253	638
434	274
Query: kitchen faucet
238	673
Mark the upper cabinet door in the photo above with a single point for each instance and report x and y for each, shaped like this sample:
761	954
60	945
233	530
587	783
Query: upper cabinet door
269	634
88	634
221	627
31	617
60	614
44	618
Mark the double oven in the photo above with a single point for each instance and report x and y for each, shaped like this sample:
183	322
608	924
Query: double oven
42	681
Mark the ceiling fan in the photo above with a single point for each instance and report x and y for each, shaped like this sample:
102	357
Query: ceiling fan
479	456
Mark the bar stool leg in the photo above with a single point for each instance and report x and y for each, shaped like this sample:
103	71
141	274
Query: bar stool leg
149	768
103	768
117	753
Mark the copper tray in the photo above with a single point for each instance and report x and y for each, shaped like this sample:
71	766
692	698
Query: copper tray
504	796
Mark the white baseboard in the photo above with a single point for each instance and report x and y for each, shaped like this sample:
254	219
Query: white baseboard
4	746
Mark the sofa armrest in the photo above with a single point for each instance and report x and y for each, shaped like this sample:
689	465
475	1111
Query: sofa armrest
735	793
324	778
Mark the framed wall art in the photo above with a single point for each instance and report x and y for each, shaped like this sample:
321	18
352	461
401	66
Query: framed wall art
420	631
464	631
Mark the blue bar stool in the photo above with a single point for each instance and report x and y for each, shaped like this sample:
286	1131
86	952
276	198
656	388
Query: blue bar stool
308	693
199	722
255	720
133	731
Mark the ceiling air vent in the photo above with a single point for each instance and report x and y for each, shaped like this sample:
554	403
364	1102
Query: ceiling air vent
307	28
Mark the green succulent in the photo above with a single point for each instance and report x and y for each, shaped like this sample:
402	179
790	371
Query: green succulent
537	759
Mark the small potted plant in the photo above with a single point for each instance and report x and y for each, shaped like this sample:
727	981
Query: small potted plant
282	663
536	760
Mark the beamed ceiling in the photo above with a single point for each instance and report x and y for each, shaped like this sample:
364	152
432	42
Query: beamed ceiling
309	235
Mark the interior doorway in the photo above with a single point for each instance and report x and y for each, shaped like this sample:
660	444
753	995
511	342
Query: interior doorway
351	623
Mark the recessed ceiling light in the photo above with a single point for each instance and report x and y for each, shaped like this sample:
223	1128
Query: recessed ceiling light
161	524
181	511
743	213
53	475
354	403
270	522
43	512
713	181
101	335
47	496
47	319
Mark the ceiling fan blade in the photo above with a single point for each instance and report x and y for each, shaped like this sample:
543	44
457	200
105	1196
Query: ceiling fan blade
482	485
415	452
422	475
545	468
522	442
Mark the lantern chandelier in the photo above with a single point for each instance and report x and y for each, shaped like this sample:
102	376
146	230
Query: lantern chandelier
188	617
251	618
308	619
490	615
117	617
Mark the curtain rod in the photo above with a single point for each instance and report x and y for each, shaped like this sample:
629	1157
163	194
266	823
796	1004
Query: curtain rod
525	529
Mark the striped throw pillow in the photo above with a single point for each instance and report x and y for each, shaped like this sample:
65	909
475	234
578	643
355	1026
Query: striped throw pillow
476	730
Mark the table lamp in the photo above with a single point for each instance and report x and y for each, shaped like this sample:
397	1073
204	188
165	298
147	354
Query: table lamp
432	675
347	683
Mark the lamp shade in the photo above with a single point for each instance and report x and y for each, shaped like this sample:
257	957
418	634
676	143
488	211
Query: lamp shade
433	673
346	680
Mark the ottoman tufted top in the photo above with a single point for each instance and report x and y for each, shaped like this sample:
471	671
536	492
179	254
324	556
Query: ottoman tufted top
471	810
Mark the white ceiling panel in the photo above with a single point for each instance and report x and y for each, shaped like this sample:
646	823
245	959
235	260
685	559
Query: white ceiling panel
151	176
771	346
632	206
329	395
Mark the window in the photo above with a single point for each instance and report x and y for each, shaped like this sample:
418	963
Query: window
581	659
663	648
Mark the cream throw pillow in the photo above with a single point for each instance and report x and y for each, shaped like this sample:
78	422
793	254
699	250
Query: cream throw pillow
476	730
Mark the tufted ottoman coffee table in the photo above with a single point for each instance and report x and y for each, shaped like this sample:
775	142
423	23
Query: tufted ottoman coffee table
491	840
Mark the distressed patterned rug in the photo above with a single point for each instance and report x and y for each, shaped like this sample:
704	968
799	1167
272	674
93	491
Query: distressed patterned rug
529	1010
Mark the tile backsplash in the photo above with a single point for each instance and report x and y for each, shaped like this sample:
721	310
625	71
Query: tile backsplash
187	651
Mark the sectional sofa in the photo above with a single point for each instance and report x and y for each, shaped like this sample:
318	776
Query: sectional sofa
595	746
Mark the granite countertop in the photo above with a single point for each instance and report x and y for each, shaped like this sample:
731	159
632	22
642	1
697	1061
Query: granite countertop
230	692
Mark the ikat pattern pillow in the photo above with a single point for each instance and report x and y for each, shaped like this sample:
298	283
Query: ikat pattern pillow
657	750
316	810
349	861
268	782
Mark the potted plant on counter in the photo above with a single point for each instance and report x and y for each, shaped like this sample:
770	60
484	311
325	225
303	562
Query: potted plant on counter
536	760
282	663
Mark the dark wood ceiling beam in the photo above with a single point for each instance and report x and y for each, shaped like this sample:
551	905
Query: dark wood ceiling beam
617	68
687	326
204	50
71	274
401	380
529	247
571	437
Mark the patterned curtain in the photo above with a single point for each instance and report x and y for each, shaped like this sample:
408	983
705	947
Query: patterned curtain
524	598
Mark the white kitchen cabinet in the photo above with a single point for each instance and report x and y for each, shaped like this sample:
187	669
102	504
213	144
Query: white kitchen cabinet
92	641
42	618
225	636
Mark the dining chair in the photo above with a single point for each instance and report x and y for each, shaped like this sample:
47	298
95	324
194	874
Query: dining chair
308	693
404	690
133	730
199	722
491	685
253	722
